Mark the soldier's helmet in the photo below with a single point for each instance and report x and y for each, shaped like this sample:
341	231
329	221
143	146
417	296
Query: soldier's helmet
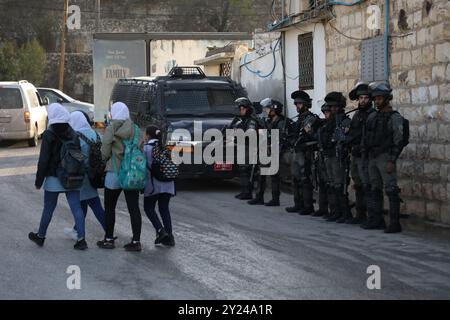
302	97
244	102
360	89
380	88
336	99
325	108
266	103
277	106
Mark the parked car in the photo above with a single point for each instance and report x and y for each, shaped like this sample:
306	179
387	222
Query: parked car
55	95
23	113
175	101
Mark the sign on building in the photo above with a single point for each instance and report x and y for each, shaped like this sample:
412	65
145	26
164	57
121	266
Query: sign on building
114	60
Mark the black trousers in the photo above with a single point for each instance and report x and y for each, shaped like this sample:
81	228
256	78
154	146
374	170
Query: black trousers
163	200
132	199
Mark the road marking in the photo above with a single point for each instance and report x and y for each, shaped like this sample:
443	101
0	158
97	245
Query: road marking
19	171
19	153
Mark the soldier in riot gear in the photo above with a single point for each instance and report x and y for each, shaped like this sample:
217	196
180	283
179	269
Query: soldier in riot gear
359	164
383	143
245	121
326	204
275	121
302	142
336	157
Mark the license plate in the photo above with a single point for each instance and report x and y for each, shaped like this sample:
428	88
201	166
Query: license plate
223	167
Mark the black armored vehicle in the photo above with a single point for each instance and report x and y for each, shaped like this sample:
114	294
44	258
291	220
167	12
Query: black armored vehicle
174	102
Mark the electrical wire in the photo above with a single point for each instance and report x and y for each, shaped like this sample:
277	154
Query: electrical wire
258	72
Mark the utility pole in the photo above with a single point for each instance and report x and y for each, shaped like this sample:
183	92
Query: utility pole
63	46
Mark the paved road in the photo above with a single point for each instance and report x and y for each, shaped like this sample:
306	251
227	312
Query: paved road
225	250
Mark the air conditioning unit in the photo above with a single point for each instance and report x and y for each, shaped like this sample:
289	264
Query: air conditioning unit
293	7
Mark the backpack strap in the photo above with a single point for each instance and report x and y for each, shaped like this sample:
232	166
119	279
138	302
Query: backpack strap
86	139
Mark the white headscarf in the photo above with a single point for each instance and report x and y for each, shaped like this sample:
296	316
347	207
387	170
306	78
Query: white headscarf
119	111
57	114
78	121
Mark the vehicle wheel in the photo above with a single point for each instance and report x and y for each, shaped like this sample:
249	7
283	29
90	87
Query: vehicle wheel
33	142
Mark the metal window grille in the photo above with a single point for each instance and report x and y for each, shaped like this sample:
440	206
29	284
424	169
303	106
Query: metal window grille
305	61
225	69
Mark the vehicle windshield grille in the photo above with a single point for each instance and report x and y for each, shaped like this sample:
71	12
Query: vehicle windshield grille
199	101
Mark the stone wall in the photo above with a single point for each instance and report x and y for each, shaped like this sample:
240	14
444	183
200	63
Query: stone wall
26	19
420	76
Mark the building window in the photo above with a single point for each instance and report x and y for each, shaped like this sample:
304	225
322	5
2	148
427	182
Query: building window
373	59
305	61
225	69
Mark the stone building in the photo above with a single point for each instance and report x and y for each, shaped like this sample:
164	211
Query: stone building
26	19
413	54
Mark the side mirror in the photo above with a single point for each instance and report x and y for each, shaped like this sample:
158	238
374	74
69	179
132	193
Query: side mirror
257	107
60	100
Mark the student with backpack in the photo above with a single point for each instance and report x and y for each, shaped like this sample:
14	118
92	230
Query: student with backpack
125	171
60	170
95	167
157	191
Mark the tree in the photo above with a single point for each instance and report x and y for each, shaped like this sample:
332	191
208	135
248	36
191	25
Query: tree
32	60
8	61
25	62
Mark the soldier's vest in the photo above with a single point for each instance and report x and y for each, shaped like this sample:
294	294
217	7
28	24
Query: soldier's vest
379	135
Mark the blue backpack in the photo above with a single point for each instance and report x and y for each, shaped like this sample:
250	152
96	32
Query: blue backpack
133	173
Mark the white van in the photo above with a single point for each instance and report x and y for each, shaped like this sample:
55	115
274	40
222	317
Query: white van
23	115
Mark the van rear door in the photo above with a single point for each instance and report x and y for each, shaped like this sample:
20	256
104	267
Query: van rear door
11	109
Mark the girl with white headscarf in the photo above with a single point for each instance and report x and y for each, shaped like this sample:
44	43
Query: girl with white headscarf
88	194
121	128
49	161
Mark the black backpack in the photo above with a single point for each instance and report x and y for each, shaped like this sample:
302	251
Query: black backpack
71	169
96	165
163	168
405	140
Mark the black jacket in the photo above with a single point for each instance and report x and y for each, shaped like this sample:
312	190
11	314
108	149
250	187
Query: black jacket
49	157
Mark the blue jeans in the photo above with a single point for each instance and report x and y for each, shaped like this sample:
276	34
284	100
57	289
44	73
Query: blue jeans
96	206
163	206
50	202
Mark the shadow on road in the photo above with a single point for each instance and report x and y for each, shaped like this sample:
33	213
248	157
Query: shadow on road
207	185
15	144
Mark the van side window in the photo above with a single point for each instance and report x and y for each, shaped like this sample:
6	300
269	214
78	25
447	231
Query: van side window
10	98
32	96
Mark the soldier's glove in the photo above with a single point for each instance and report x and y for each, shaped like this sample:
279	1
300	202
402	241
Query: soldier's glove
390	167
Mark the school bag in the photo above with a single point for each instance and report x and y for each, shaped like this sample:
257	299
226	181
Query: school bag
133	171
71	169
96	165
163	168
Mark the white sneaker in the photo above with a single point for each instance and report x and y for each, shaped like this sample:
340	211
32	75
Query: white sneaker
71	233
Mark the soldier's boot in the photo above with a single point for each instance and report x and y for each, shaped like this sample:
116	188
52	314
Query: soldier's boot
275	202
323	202
360	206
258	200
298	198
394	213
375	220
331	203
345	209
308	200
337	206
